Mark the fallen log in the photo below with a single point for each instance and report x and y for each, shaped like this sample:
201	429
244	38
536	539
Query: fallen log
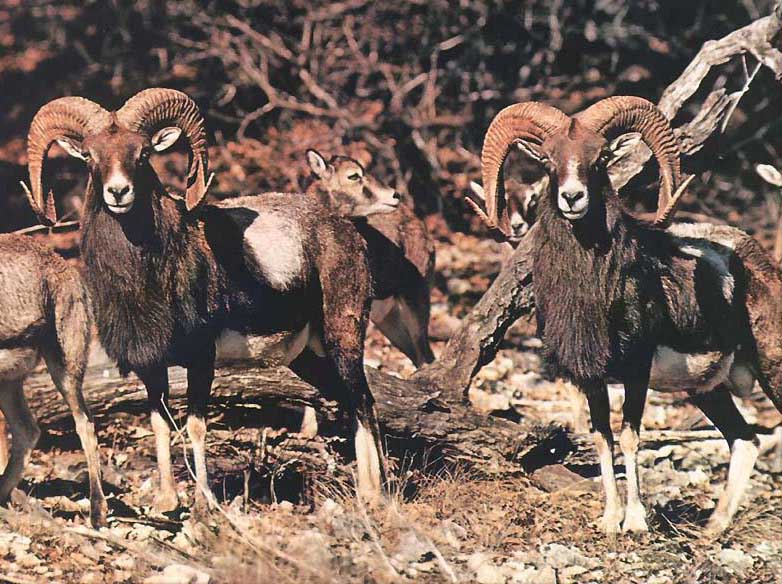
414	418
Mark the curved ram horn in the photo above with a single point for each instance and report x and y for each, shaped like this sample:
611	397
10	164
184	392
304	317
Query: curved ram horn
530	121
66	117
635	114
153	109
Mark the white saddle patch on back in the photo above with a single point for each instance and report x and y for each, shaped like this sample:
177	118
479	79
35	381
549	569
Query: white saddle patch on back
276	244
711	237
700	372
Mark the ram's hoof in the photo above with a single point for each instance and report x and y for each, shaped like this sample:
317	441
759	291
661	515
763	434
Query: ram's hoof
165	502
635	520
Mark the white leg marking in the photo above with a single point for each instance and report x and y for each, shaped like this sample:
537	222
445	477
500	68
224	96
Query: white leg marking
89	443
613	506
635	513
579	408
776	450
196	431
166	499
368	462
309	423
742	460
3	444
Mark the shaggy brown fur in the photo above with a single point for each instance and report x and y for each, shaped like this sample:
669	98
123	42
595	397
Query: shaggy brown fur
44	311
166	282
401	252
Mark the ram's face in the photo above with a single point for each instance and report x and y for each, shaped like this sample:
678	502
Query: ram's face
574	160
115	157
522	209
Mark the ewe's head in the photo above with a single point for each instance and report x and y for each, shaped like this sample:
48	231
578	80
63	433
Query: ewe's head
522	203
576	152
351	190
116	146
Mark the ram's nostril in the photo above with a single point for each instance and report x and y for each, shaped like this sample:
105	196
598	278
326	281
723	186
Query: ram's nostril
573	197
397	196
119	191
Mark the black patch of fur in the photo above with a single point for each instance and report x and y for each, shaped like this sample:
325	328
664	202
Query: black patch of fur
147	259
609	290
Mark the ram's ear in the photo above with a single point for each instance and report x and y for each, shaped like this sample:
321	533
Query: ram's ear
165	138
621	146
532	149
72	147
769	174
318	164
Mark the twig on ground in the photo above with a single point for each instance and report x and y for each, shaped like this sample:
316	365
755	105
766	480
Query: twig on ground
247	538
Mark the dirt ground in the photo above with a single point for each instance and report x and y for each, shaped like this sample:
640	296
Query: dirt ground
451	526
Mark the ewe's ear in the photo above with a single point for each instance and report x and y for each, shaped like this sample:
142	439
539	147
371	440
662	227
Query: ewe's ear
769	174
165	138
532	149
317	163
72	147
622	146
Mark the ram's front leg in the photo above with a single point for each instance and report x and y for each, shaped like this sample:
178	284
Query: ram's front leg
156	381
600	414
199	386
635	399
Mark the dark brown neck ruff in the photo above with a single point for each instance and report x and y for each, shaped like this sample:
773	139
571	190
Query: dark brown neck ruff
577	273
148	258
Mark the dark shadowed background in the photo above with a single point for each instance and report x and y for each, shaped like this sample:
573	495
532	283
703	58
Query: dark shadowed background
409	85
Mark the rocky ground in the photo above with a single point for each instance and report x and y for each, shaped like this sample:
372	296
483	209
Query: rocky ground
446	527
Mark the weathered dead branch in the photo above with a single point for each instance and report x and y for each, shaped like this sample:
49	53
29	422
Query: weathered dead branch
756	39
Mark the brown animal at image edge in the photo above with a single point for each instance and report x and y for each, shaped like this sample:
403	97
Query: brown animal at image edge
44	312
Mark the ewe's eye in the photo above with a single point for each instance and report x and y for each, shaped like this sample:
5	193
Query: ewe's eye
143	156
354	177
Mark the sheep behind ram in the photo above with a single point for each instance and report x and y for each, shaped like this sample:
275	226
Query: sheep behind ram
401	252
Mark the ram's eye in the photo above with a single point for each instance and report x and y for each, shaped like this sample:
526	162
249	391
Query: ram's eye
355	176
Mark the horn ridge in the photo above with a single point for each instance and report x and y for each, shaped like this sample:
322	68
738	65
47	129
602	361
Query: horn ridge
66	117
154	108
530	120
630	113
